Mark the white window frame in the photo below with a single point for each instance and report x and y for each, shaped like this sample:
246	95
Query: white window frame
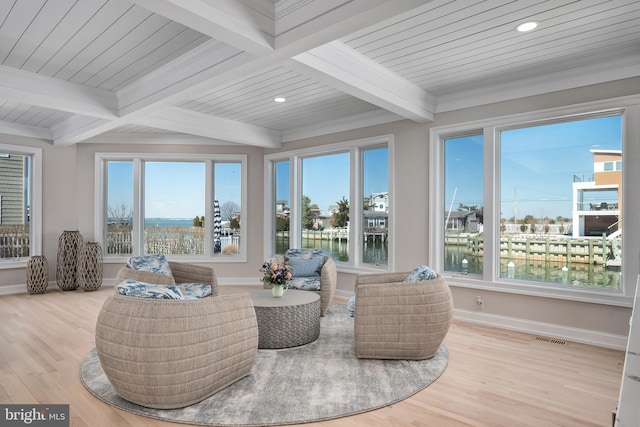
138	160
628	108
295	157
35	203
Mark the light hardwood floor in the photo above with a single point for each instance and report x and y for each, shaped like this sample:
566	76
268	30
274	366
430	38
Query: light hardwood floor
494	377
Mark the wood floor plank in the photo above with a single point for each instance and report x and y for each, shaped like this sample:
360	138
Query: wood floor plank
494	377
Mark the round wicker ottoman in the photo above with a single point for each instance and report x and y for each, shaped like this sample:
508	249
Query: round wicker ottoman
290	321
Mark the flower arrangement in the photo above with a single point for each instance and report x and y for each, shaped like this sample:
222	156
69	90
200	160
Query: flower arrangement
276	273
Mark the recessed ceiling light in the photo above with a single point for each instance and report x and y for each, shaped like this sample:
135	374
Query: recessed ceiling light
279	99
527	26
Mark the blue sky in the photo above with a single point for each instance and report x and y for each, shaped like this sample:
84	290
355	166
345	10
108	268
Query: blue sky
325	179
174	189
538	164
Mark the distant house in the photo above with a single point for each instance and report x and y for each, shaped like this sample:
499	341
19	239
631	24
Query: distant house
597	199
462	222
13	199
377	216
282	208
379	202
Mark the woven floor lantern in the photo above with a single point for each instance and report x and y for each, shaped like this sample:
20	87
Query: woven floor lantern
90	266
37	275
66	269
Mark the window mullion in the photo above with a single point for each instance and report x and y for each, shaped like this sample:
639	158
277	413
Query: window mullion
138	207
356	228
209	197
295	214
491	204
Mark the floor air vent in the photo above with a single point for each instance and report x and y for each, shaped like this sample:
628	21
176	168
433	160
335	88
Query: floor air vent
551	340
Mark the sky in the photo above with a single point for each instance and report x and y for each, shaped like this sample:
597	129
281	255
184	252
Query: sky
326	179
538	165
174	189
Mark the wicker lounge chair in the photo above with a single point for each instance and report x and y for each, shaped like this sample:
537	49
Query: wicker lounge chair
328	281
167	354
400	320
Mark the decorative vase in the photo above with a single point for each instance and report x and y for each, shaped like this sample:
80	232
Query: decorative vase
67	265
37	275
277	291
90	266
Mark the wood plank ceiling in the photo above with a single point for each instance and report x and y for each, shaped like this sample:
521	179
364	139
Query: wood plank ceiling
91	70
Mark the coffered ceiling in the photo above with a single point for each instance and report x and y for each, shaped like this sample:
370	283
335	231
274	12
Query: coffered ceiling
76	71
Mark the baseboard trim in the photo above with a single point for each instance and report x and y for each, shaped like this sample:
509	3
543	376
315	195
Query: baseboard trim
584	336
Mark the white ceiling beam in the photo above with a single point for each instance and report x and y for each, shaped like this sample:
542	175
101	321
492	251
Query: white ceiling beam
195	123
228	21
79	128
345	69
43	91
17	129
213	64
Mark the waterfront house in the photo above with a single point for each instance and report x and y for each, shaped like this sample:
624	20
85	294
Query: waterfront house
597	197
462	222
88	86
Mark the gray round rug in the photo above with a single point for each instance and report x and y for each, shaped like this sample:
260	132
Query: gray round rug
319	381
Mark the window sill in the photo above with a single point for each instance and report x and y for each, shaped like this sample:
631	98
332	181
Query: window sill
5	264
593	296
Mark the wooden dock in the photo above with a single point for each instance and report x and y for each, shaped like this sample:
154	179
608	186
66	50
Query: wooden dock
558	249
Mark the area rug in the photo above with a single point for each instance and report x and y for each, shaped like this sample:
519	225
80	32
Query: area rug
319	381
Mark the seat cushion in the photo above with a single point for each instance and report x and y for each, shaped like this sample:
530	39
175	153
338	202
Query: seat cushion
135	288
154	263
195	290
305	283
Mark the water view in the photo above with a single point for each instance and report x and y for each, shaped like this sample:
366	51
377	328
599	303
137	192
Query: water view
375	253
578	274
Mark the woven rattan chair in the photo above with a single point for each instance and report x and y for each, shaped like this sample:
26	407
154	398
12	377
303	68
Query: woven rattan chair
328	282
173	353
400	320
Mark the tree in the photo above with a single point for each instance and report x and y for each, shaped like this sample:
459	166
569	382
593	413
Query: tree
282	224
196	221
228	210
307	218
341	218
234	223
119	216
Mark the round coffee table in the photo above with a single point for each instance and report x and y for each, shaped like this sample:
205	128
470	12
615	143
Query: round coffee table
289	321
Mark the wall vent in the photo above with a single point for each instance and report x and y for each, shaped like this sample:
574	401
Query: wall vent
551	340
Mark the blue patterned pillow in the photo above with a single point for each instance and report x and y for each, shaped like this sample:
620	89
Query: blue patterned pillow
420	273
306	267
195	290
156	263
135	288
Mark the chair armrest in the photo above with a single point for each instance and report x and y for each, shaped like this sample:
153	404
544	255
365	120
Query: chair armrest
364	279
144	276
328	279
193	273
